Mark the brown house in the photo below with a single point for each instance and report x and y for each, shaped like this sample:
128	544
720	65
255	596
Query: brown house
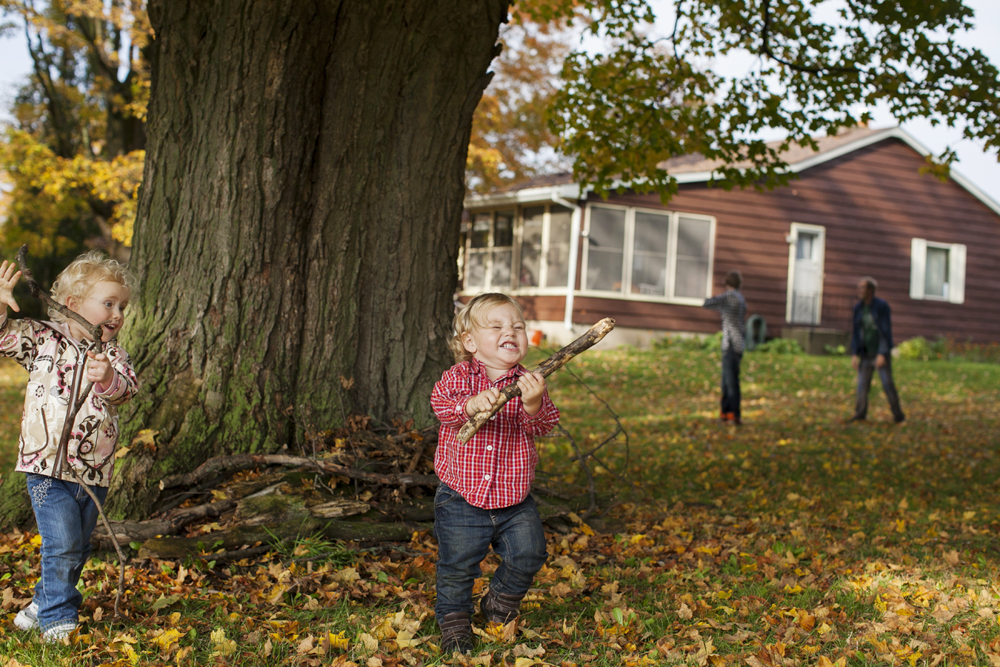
860	206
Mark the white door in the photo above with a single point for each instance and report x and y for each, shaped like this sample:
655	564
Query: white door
805	274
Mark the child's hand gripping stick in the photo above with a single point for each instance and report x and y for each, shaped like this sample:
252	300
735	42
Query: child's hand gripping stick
546	368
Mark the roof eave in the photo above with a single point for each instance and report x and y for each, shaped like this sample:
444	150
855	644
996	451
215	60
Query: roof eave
572	191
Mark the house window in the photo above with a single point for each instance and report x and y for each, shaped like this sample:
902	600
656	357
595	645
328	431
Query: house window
937	271
648	254
489	246
503	251
545	244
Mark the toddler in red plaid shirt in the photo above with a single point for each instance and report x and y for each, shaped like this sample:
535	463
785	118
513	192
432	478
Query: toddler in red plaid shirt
484	497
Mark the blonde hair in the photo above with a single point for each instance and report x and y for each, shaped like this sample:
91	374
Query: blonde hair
83	273
472	315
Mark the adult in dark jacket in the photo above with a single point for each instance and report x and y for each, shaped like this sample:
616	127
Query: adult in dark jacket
871	349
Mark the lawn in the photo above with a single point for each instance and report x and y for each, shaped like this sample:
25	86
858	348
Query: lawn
795	539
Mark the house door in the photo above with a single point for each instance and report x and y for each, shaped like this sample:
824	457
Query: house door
805	274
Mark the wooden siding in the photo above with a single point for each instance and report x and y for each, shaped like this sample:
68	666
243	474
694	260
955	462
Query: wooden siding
872	202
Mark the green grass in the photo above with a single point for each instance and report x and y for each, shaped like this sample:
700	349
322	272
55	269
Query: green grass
795	539
12	381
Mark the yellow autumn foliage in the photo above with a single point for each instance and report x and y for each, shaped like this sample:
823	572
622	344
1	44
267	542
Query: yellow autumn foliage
32	165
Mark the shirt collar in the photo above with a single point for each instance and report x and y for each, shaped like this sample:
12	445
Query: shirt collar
480	368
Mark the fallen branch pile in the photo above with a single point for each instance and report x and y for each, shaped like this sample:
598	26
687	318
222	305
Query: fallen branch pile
361	485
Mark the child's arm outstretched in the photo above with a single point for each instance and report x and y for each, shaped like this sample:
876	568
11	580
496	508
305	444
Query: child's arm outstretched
9	275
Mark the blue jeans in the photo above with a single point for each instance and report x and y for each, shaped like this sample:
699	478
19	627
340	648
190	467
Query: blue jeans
866	368
464	535
66	517
731	381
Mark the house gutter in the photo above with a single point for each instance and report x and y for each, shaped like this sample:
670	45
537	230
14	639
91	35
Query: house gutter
574	252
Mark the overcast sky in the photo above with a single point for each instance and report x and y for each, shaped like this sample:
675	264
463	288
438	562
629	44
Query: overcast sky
975	165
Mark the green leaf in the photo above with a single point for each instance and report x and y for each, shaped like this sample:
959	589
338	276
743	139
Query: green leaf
164	602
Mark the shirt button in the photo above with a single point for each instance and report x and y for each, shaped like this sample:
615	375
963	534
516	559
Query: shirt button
486	477
489	448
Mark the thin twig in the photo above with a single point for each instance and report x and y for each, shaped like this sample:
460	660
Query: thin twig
591	490
765	46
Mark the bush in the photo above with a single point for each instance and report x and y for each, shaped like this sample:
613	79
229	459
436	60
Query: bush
948	349
920	349
781	346
675	342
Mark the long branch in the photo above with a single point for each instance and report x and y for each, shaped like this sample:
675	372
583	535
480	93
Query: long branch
246	461
765	47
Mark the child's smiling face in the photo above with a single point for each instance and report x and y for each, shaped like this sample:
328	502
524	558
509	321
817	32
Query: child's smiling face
105	303
500	342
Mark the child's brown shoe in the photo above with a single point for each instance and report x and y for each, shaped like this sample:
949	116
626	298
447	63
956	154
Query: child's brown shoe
500	607
456	632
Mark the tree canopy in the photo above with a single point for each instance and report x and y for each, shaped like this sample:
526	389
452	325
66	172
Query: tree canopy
511	138
73	155
812	67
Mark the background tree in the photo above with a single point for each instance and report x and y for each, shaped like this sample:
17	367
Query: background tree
73	156
622	112
511	138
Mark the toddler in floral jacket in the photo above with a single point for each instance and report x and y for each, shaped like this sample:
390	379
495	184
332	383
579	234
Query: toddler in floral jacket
53	353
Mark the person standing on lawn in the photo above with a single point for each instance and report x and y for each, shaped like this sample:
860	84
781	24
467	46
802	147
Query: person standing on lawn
484	496
97	288
733	310
871	349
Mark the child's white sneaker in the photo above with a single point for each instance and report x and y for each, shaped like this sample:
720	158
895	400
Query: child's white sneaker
27	618
58	633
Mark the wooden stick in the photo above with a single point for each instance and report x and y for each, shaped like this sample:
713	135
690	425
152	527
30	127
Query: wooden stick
595	335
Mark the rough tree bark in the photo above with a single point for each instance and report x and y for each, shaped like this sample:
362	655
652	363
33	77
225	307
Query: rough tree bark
298	221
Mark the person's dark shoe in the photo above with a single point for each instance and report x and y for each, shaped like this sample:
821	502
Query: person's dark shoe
500	607
857	418
899	420
456	632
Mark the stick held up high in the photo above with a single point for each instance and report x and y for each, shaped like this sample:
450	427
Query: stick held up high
593	336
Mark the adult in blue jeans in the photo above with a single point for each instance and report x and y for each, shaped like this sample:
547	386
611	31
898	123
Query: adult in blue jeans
871	349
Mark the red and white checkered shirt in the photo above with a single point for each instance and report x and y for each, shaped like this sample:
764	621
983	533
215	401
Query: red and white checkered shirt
497	466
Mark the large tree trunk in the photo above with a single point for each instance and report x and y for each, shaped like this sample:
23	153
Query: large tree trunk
298	224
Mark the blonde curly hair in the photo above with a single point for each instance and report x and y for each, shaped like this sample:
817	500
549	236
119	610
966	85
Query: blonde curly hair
83	273
473	314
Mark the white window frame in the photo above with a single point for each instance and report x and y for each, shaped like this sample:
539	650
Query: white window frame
543	269
467	250
793	239
626	291
956	270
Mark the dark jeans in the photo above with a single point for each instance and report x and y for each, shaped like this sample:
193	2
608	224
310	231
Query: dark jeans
66	517
464	535
731	381
866	368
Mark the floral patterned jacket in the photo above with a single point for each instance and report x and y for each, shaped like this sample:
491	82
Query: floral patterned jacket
51	357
